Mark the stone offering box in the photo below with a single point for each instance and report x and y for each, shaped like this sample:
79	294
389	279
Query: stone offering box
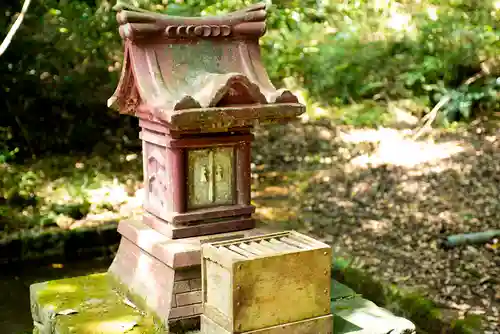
275	283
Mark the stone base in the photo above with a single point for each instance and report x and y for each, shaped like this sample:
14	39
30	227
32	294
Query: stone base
160	274
86	305
319	325
203	221
90	305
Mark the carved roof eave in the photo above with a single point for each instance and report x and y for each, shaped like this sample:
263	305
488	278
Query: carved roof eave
126	98
223	118
148	82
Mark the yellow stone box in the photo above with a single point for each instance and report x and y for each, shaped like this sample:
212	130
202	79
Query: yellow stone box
260	282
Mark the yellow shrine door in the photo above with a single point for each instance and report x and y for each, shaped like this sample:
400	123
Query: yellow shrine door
210	177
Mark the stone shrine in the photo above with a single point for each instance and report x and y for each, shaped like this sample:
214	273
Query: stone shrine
198	87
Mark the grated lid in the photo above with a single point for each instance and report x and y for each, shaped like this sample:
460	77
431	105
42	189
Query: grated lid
267	245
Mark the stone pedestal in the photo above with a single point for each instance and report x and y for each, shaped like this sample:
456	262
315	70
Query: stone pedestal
85	305
163	275
90	305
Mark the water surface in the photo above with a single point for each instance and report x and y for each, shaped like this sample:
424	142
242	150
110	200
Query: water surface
15	314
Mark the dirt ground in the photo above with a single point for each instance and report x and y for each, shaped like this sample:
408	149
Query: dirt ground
376	195
389	201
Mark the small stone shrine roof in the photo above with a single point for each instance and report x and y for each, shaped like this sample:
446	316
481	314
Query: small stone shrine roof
196	72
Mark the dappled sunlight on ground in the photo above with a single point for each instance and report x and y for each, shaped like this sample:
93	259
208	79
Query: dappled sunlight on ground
69	192
388	200
113	193
278	214
122	205
396	148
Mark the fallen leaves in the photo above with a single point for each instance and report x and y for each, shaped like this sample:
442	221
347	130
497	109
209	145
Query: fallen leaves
392	215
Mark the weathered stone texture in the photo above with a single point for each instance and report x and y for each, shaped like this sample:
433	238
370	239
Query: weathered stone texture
162	275
86	305
257	283
319	325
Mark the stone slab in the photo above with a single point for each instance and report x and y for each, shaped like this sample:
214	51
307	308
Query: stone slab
361	316
318	325
100	309
86	305
175	253
341	291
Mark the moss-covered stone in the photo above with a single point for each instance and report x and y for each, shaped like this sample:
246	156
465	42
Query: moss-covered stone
409	304
86	304
91	305
175	326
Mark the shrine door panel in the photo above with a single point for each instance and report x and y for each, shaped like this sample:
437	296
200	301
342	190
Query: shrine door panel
224	175
210	177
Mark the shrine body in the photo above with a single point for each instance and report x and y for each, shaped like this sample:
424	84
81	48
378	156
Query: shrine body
198	87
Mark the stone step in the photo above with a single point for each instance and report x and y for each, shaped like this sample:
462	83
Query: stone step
88	304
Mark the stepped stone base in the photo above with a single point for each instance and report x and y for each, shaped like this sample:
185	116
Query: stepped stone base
90	305
163	275
85	305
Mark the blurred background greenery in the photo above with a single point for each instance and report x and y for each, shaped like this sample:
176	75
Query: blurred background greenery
64	63
66	161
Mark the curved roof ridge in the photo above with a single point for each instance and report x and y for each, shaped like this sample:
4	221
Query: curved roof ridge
138	23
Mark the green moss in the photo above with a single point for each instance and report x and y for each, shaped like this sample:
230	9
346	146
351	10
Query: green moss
135	298
179	326
409	304
97	307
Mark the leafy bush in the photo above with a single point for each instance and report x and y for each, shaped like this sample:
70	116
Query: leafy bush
428	54
64	61
56	76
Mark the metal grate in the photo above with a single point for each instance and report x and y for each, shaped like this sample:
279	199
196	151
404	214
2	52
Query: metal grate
267	245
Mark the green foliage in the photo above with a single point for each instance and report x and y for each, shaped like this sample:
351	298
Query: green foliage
465	98
365	114
425	55
74	210
409	304
57	73
64	62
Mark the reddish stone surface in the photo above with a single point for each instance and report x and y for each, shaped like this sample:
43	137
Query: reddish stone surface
194	83
165	156
161	274
203	228
177	65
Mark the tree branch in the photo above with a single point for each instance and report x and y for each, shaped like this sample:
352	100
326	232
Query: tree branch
431	116
6	42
